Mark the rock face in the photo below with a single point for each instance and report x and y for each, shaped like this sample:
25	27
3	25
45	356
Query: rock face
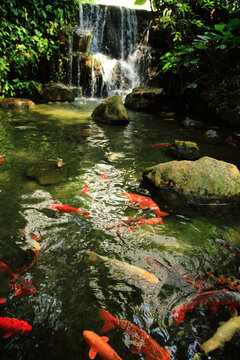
55	92
12	103
186	150
206	184
111	111
47	172
145	98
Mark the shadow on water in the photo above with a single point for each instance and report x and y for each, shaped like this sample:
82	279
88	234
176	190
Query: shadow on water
70	287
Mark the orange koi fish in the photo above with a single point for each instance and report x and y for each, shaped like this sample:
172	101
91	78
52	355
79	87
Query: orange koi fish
211	298
19	284
144	202
225	281
98	345
11	326
103	176
67	209
35	259
85	189
59	162
2	301
152	221
143	342
161	145
1	160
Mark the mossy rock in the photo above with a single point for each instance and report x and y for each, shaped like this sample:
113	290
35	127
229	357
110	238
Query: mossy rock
145	98
13	103
186	150
111	111
55	92
206	183
47	172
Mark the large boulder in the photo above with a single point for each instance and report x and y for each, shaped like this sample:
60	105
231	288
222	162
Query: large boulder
47	172
145	98
12	103
82	40
55	92
111	111
207	184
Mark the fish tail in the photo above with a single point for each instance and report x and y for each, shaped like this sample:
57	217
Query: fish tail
93	256
110	321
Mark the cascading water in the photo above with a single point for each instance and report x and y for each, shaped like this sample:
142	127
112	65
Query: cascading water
105	54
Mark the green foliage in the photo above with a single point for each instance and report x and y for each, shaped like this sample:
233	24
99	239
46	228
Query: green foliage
32	41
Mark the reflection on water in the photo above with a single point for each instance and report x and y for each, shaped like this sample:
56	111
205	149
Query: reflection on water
71	288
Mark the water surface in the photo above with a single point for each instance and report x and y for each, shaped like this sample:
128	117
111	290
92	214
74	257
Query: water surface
70	288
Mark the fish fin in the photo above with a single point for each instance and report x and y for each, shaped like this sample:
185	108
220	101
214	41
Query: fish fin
93	256
233	310
142	206
132	229
8	334
109	320
92	353
136	349
132	202
17	292
105	339
214	308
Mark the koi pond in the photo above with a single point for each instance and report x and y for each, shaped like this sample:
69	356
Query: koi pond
71	288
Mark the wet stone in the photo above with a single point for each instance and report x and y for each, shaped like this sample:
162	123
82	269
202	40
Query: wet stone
47	172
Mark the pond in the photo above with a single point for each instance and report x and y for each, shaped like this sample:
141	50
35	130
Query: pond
70	287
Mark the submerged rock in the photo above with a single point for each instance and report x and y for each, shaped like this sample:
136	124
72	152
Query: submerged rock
12	103
192	124
211	137
111	111
145	98
186	150
47	172
207	183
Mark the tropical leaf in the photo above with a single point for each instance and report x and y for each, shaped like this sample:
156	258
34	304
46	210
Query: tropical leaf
140	2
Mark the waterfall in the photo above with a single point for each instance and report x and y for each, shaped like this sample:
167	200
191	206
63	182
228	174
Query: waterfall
105	54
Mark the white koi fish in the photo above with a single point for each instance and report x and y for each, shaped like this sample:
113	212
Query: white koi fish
131	270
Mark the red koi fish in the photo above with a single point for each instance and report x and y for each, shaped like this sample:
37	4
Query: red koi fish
161	145
144	202
103	176
68	209
119	226
231	141
2	301
224	281
98	345
11	326
1	160
85	189
19	284
23	233
143	342
211	298
35	259
229	246
152	221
